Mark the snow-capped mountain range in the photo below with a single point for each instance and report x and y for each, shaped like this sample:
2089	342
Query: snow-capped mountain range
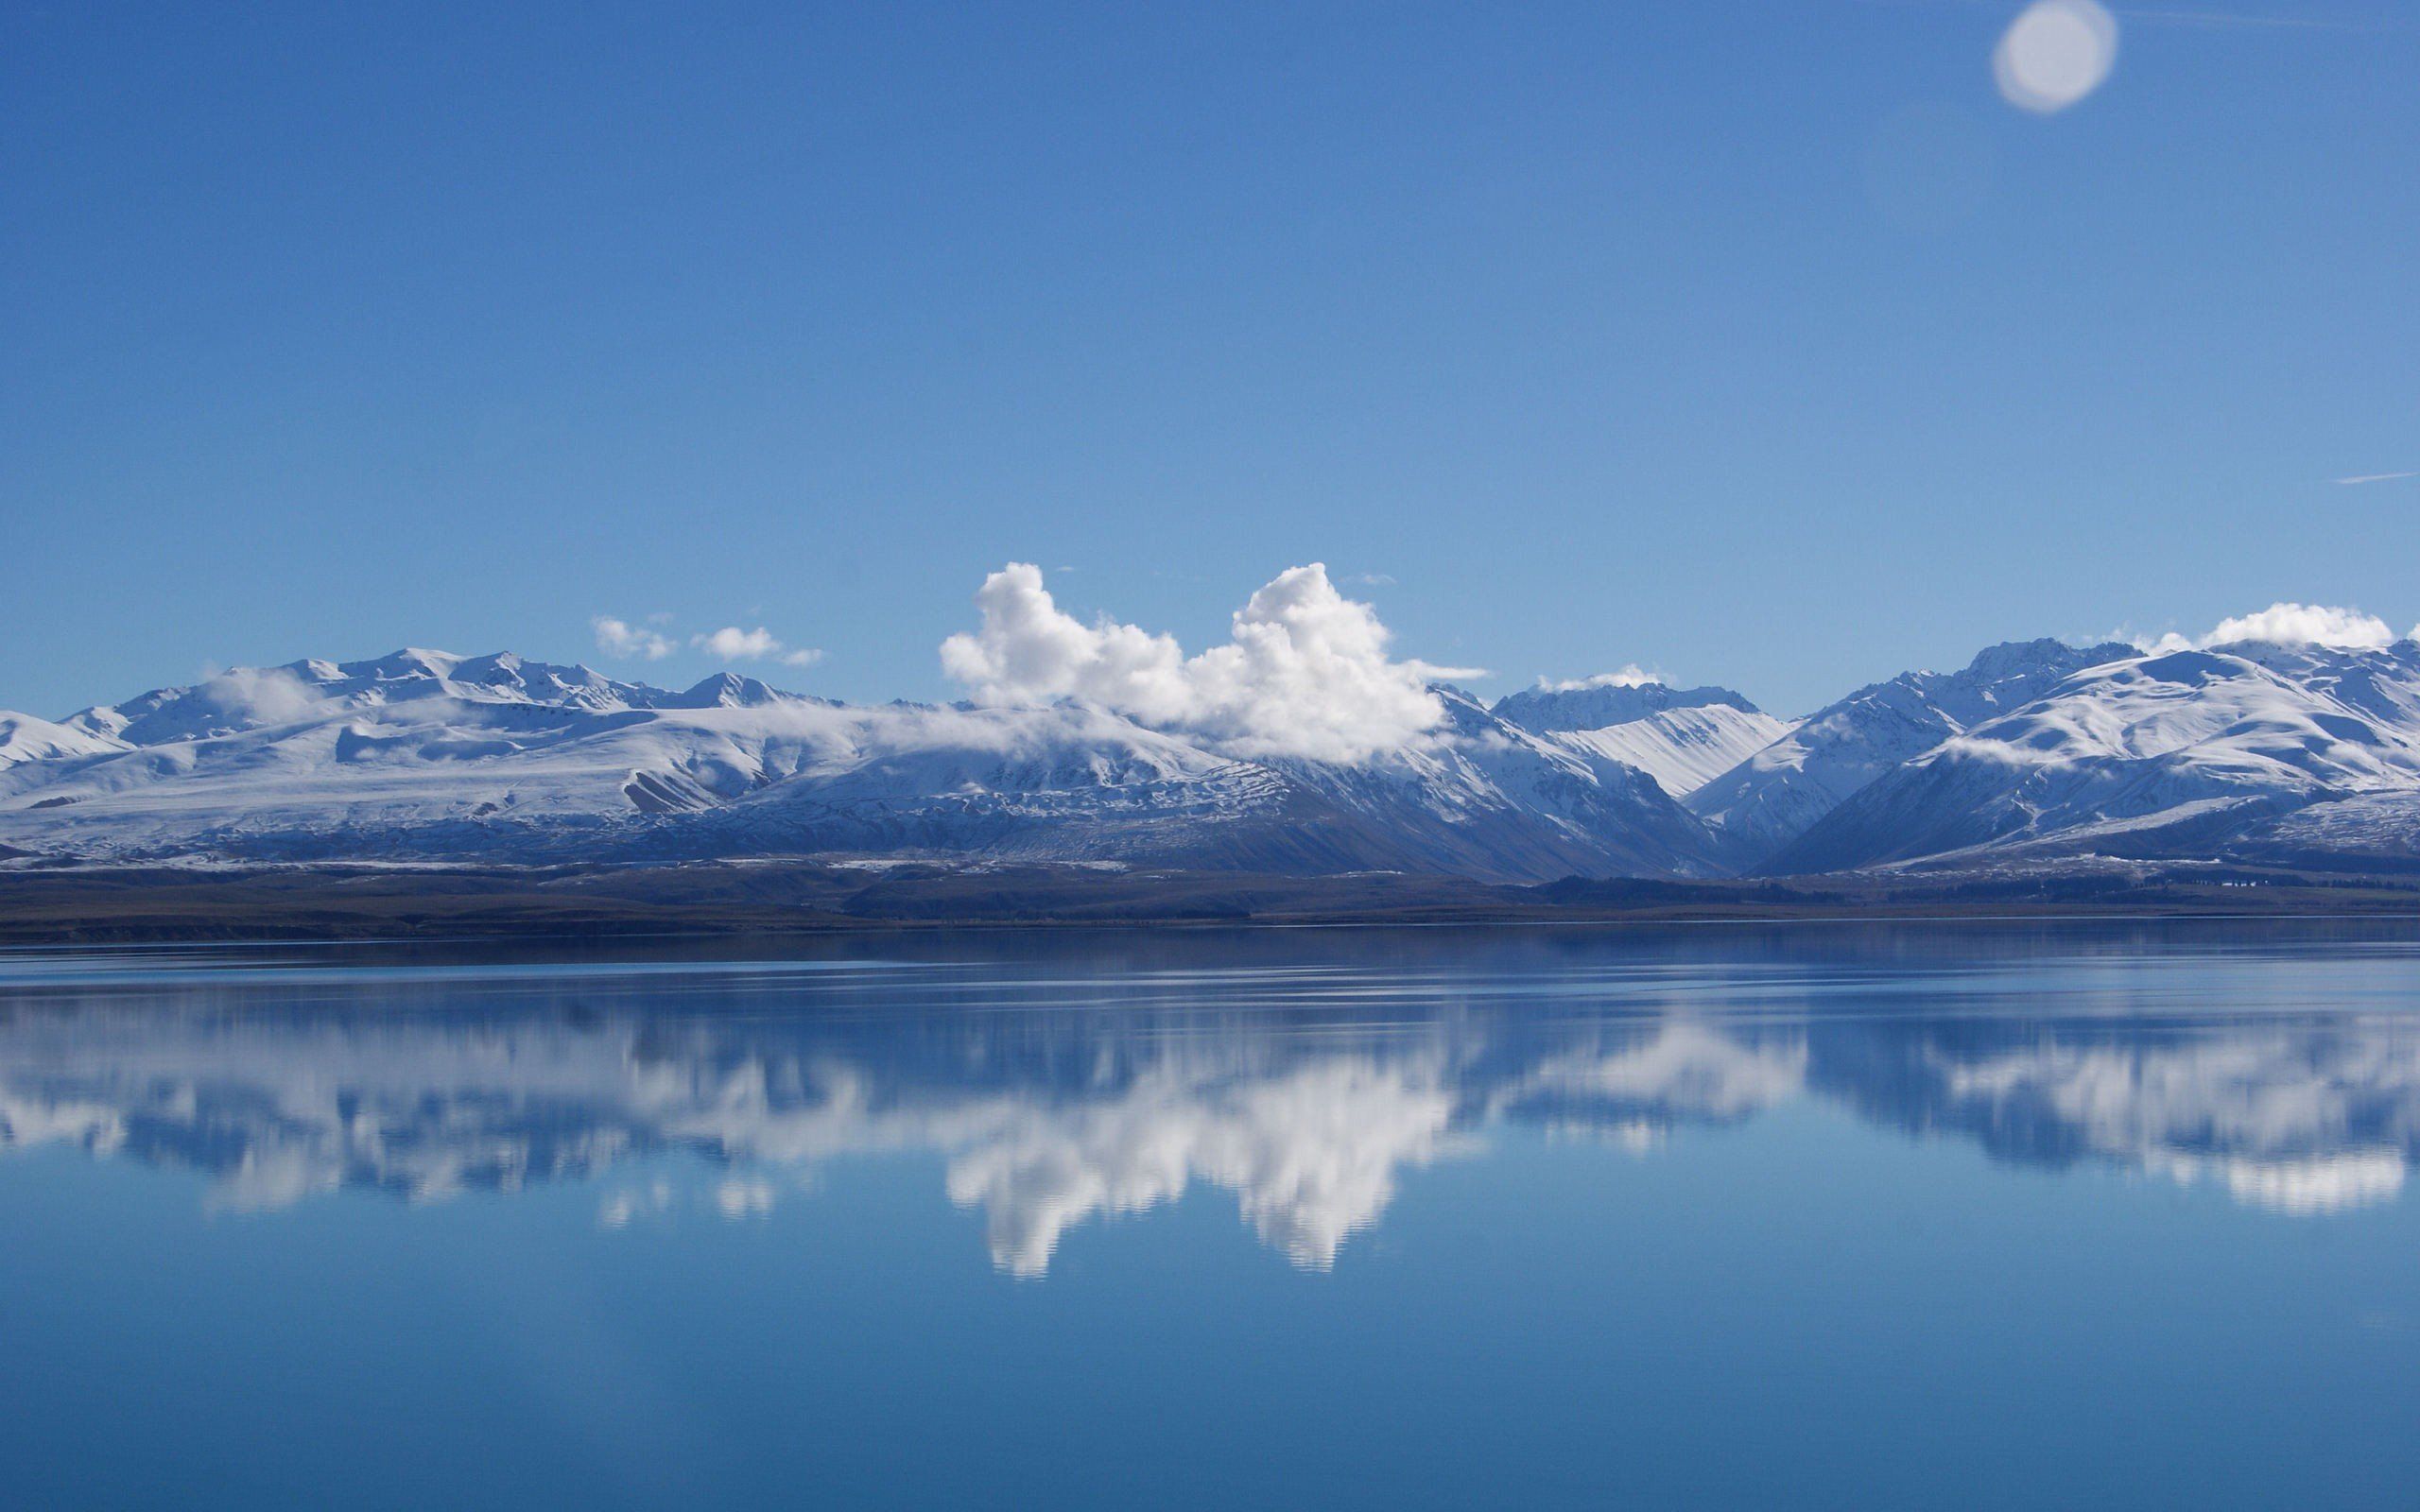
2253	751
423	755
2169	754
1774	794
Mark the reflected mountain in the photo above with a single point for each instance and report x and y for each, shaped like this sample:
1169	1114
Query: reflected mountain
1052	1092
2299	1117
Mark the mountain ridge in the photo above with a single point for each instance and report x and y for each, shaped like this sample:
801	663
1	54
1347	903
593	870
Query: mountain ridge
1775	794
423	754
2037	753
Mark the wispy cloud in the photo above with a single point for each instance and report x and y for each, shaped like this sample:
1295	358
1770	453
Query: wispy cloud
621	638
2185	16
1630	675
733	643
2248	20
2375	477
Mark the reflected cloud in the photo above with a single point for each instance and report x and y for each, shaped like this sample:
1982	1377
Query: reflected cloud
1684	1072
1044	1121
2298	1119
2313	1184
1311	1153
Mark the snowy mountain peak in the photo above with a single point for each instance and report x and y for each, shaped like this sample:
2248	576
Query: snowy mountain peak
25	738
411	662
1780	791
1595	706
2173	752
1465	714
2020	659
2249	749
246	699
725	689
2190	668
433	756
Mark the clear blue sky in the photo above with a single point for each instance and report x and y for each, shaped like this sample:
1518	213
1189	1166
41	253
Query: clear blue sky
1759	343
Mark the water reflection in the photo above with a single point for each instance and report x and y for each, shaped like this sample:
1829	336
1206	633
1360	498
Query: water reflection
1059	1084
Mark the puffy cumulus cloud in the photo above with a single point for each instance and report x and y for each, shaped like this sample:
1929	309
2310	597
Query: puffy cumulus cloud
2280	624
2303	624
621	638
1630	675
731	644
1306	672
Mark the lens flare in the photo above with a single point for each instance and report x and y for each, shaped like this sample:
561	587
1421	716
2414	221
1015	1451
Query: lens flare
2054	54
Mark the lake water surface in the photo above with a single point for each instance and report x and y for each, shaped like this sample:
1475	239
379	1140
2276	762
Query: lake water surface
1918	1216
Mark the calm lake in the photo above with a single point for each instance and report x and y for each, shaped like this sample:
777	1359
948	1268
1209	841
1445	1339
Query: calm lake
1917	1216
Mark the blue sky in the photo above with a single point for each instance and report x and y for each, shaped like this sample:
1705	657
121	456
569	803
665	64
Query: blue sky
1754	343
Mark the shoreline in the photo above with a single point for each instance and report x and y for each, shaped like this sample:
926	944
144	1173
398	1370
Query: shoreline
342	902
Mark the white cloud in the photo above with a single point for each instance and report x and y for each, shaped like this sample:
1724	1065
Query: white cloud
2054	54
618	637
621	638
1305	673
1630	675
731	644
2280	624
2375	477
260	696
2303	624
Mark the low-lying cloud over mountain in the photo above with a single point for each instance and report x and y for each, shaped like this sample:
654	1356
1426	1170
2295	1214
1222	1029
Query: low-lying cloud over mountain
1306	672
2284	623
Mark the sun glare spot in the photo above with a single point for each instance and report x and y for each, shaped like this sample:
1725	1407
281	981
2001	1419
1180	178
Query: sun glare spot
2054	54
